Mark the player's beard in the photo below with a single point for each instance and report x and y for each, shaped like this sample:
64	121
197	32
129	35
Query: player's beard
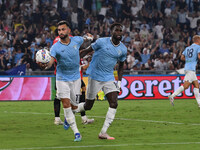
63	37
117	37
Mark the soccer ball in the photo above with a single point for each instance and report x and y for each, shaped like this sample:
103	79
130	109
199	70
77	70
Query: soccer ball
43	56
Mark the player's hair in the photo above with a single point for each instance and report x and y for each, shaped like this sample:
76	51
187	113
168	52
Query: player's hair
63	22
115	24
195	38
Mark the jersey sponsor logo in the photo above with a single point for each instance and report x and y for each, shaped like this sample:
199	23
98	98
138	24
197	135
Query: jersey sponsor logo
5	82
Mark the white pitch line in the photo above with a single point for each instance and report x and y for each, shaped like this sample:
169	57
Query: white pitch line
89	146
150	121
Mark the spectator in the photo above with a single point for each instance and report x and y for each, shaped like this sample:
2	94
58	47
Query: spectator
163	49
193	20
159	28
182	18
17	55
130	59
145	56
126	39
28	23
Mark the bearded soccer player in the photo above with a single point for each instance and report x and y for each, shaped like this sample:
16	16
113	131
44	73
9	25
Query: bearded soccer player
66	52
107	52
85	119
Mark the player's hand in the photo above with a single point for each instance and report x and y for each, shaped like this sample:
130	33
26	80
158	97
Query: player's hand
42	65
119	85
88	37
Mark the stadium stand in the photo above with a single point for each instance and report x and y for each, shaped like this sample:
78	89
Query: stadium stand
28	25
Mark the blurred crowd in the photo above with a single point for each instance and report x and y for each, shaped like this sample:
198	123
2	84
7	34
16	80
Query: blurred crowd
155	31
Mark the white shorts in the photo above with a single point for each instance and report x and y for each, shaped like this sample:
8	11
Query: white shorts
190	76
94	87
69	89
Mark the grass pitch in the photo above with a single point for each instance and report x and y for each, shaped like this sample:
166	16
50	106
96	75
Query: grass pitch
139	125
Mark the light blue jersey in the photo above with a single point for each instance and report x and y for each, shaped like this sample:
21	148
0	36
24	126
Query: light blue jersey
105	58
68	59
191	56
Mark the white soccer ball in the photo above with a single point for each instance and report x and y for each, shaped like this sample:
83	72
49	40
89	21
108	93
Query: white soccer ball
43	56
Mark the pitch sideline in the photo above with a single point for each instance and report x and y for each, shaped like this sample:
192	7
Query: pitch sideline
138	120
89	146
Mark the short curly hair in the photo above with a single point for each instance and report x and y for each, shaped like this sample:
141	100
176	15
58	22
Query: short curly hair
115	24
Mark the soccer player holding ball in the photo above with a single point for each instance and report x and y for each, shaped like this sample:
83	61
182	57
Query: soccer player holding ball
66	52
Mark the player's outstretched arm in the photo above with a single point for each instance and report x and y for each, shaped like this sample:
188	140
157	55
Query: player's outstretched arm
84	52
120	73
182	57
88	37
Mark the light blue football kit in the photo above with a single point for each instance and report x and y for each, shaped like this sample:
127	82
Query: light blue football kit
68	59
101	68
191	57
105	58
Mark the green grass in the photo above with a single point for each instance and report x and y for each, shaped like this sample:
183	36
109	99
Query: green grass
139	125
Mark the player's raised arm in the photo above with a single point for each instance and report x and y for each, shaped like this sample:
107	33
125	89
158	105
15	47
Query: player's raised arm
88	37
84	52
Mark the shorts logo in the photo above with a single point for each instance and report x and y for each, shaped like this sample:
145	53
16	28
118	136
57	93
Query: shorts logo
5	82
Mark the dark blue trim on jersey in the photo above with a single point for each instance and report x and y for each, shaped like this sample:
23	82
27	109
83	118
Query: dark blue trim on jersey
64	43
113	43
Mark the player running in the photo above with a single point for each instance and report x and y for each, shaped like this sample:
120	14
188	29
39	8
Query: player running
190	55
107	52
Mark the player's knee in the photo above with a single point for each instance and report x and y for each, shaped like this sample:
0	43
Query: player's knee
84	89
88	107
56	101
113	105
185	87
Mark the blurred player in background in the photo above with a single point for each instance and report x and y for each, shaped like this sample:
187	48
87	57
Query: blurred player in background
56	103
107	52
84	118
190	55
66	52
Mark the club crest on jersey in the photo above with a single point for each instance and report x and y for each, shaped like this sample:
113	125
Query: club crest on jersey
5	82
119	52
75	46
